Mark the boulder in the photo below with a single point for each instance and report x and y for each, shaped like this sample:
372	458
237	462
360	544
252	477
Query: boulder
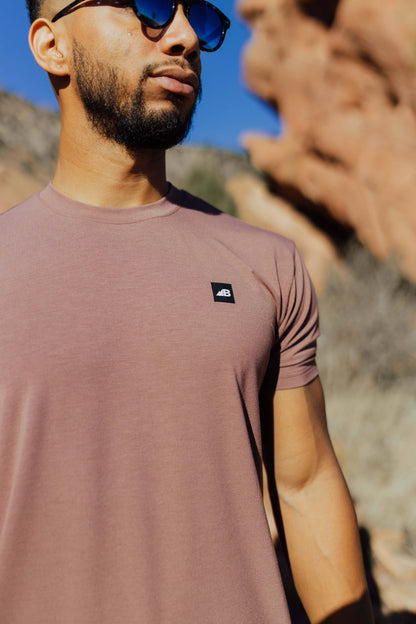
342	75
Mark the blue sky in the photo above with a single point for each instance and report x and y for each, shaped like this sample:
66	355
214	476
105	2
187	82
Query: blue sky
226	111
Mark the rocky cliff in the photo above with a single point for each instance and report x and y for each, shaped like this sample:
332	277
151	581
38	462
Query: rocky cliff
28	148
342	74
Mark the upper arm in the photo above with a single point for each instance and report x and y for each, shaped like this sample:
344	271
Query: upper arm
301	445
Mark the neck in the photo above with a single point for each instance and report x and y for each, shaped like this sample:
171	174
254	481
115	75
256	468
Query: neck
99	172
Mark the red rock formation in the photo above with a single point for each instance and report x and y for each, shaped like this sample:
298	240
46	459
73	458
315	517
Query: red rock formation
342	74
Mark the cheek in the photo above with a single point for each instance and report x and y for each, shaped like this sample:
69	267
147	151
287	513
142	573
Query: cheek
127	51
105	35
115	42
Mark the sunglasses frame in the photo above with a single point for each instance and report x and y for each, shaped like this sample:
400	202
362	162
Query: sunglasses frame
225	22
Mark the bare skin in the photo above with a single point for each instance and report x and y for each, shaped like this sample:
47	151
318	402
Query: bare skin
318	516
105	173
317	512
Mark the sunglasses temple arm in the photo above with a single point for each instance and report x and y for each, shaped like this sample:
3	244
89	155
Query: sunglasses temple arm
66	10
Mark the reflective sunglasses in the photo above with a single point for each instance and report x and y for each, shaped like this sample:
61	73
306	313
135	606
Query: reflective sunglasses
208	22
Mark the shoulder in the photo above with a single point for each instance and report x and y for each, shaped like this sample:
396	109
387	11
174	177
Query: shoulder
19	227
271	258
18	213
232	231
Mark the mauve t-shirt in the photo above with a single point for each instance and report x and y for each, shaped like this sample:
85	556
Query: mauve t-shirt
133	346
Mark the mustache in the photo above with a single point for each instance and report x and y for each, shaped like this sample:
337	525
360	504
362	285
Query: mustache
153	67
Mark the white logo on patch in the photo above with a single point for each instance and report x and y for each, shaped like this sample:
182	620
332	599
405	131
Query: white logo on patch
224	293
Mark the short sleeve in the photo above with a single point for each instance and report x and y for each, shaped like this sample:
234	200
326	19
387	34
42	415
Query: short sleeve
298	329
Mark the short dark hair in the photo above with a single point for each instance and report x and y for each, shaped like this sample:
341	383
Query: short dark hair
34	7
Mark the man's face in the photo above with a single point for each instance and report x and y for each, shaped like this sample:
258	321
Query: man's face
139	88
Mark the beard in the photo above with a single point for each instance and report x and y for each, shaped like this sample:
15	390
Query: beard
120	114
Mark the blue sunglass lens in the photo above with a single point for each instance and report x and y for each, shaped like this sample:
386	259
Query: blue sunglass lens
207	24
203	18
155	13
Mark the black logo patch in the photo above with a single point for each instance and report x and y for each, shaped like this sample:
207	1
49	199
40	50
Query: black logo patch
222	292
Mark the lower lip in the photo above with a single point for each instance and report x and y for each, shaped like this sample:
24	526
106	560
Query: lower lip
175	86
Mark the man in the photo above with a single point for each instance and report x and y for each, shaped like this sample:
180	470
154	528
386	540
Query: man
143	337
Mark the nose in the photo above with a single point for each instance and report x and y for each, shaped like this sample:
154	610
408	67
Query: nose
180	39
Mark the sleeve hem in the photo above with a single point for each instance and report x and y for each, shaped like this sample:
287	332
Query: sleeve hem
298	381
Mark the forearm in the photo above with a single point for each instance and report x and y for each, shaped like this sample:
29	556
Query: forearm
324	550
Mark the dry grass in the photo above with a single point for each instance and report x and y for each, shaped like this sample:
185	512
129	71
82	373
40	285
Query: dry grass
367	357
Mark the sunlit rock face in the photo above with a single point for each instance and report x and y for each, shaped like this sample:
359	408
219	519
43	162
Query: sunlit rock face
342	74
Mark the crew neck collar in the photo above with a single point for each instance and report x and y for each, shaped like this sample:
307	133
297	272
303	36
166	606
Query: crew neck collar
61	204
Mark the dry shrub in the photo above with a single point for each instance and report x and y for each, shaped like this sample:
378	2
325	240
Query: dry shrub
367	358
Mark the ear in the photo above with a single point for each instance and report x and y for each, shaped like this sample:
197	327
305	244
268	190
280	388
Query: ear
47	48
